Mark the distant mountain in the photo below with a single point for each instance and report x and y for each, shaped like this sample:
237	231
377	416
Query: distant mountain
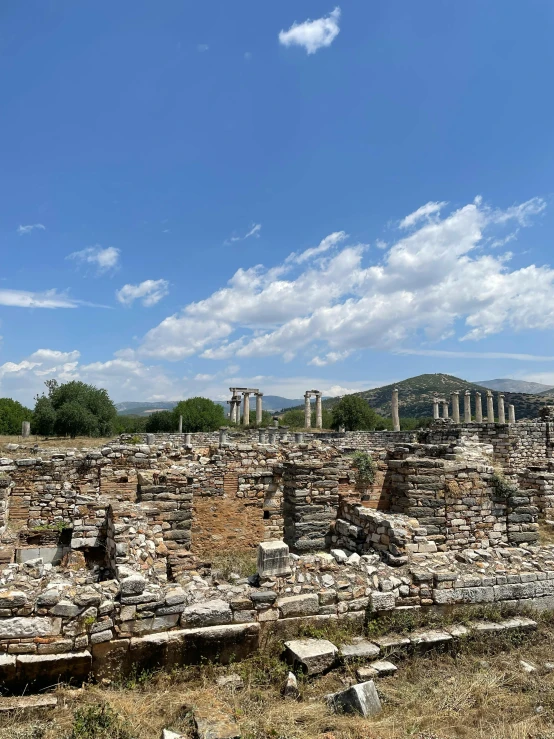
415	396
516	386
271	403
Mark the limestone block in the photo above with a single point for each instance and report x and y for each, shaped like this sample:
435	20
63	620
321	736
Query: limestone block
144	625
21	628
207	613
132	585
273	559
361	698
41	670
110	659
430	638
215	723
382	601
313	655
360	649
12	599
299	605
65	608
383	667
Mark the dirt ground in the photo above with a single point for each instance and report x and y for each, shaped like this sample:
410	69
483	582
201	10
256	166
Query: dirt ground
479	692
26	445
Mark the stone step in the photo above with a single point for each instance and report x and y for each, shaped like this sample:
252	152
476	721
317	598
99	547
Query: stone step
27	703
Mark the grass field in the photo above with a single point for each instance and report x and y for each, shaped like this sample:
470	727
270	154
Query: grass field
481	692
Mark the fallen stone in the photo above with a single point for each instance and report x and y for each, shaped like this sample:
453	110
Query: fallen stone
527	666
168	734
215	723
366	673
273	559
383	667
230	682
290	688
340	555
360	649
27	703
430	638
314	655
361	698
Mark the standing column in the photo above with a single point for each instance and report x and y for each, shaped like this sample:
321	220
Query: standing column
467	407
395	414
501	412
259	409
25	429
307	411
445	409
511	413
490	407
478	408
180	424
436	413
455	398
246	409
318	412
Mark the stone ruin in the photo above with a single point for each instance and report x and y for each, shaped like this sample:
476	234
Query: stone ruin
109	556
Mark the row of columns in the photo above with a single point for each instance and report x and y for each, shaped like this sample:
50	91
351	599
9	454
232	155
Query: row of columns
308	409
479	418
235	404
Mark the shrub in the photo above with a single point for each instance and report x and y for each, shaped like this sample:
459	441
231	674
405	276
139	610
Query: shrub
98	722
355	414
365	469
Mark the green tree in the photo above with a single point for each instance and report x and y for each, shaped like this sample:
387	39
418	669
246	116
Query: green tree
159	422
294	419
129	424
354	413
12	415
44	416
199	414
75	408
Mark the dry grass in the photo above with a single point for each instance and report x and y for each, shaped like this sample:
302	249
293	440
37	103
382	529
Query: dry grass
241	563
52	443
479	693
546	534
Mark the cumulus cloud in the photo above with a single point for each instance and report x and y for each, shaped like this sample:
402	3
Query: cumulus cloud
104	260
29	229
254	230
440	275
312	35
148	292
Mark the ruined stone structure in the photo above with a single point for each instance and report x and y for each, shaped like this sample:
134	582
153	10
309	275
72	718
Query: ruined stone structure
235	403
106	554
308	409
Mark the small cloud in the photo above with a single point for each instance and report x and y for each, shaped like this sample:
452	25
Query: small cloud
426	211
255	229
46	299
103	259
202	47
204	378
148	292
312	35
380	244
29	229
327	243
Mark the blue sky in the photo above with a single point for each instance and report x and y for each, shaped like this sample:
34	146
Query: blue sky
286	195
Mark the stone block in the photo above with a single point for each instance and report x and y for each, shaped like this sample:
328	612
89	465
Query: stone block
37	671
383	667
361	698
382	601
25	628
312	655
273	559
360	649
207	613
299	605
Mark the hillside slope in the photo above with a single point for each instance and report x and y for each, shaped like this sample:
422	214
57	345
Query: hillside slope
415	396
516	386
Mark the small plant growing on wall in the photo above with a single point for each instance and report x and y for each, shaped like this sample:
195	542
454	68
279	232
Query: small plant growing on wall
365	469
504	487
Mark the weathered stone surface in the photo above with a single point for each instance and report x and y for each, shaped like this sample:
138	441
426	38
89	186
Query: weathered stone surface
207	613
21	627
290	688
382	601
132	585
273	559
12	598
360	649
299	605
383	667
361	698
313	655
27	703
215	723
44	670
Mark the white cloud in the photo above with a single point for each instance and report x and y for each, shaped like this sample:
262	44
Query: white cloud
255	230
476	355
27	299
103	259
148	292
312	35
203	378
325	244
425	212
424	287
29	229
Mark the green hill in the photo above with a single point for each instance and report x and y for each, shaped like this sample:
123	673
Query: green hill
415	396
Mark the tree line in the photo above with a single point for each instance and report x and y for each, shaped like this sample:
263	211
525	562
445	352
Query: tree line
77	409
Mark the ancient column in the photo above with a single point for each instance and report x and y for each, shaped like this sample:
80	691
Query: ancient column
501	412
259	408
246	409
445	409
436	408
490	407
25	429
298	437
276	421
467	407
284	433
307	411
318	412
271	432
180	424
222	435
511	413
188	440
237	410
478	408
394	407
261	436
455	398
